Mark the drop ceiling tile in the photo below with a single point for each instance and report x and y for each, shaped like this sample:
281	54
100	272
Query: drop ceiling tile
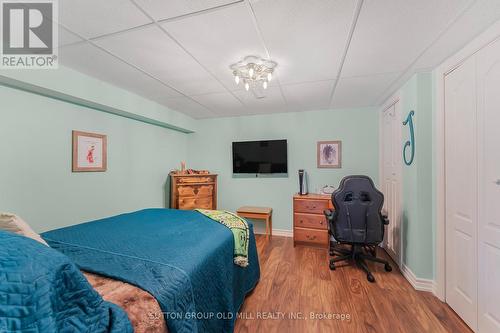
272	102
478	18
218	39
308	95
391	34
161	9
222	104
362	91
91	18
306	38
189	107
98	64
153	51
66	37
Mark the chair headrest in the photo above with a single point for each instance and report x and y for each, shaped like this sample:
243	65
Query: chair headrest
357	188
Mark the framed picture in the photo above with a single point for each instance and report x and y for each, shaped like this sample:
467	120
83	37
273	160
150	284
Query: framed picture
329	154
89	152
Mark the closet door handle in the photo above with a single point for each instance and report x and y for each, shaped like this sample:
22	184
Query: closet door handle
497	181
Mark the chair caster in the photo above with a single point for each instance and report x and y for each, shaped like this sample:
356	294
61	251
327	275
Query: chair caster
370	277
332	266
387	267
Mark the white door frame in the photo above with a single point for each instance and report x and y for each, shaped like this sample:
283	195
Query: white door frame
487	37
386	105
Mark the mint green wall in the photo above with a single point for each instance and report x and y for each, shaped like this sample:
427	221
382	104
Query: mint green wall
36	181
418	186
210	148
66	81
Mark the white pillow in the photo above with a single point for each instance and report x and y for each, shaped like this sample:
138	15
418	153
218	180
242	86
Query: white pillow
13	223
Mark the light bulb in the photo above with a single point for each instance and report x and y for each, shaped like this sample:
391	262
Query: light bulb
250	72
269	76
247	86
264	84
236	79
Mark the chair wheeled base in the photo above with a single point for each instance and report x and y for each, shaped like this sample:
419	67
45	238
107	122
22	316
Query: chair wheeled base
358	253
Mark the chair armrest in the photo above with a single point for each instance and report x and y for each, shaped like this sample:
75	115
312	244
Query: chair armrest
329	214
385	216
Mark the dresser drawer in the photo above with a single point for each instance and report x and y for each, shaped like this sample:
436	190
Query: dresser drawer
195	190
310	206
197	179
310	221
195	202
313	236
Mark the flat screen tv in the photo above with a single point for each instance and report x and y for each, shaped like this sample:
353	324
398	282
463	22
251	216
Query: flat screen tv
260	157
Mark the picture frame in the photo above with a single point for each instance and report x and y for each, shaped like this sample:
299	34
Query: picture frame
89	152
329	154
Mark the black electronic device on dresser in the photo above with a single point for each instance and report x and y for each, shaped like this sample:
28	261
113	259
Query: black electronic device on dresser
302	182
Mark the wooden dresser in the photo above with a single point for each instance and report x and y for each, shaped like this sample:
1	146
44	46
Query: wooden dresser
193	191
309	223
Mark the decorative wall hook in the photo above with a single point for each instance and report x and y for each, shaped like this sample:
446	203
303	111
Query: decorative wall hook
411	142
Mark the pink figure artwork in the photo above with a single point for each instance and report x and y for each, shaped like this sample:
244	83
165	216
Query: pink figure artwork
90	154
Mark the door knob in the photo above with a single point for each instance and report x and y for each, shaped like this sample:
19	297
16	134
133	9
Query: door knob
497	182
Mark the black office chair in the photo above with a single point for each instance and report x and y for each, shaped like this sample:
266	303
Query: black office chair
357	221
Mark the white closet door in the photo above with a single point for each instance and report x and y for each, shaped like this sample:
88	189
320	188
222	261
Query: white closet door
488	82
391	183
461	191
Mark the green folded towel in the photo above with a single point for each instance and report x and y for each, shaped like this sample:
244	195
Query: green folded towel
239	228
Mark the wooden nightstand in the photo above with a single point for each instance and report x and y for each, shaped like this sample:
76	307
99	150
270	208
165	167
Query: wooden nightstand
309	223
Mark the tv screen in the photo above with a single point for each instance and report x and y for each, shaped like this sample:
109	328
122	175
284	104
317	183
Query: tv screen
260	157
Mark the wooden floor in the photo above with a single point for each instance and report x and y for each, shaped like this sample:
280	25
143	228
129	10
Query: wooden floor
296	283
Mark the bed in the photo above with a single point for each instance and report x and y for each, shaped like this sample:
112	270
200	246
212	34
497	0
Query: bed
168	269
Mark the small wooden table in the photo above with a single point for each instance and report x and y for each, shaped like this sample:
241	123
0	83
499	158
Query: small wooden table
262	213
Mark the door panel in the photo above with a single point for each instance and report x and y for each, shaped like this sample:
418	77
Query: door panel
391	178
488	81
461	191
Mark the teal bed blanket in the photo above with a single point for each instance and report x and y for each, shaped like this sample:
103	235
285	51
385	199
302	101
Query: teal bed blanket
183	258
42	291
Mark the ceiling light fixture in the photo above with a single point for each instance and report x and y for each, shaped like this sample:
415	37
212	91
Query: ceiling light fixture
255	72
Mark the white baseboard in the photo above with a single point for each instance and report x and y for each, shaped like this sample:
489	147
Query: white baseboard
278	232
418	283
